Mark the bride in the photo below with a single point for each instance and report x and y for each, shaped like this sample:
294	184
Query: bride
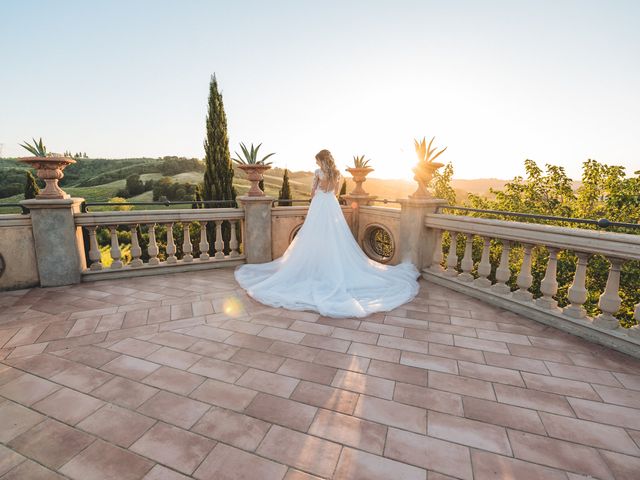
324	269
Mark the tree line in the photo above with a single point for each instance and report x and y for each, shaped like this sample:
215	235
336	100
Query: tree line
605	192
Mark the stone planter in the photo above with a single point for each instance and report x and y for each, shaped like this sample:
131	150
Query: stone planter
423	174
49	169
359	177
254	175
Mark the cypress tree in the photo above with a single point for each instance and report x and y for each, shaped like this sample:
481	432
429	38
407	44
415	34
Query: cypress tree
198	198
343	191
31	188
218	174
285	191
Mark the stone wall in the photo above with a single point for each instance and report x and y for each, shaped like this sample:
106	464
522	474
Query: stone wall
18	266
286	220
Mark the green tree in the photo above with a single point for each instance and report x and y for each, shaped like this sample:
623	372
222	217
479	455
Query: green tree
543	193
605	192
198	198
442	184
31	188
218	175
285	191
343	191
134	186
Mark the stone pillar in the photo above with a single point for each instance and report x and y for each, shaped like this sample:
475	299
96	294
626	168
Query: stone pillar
58	242
257	228
355	202
416	241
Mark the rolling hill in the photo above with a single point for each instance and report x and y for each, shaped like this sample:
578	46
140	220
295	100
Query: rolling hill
102	179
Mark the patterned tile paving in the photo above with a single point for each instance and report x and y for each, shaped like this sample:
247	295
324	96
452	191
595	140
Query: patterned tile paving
184	376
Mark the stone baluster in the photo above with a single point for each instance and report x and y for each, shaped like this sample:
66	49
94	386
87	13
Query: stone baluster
610	300
233	242
452	256
171	245
577	292
484	267
438	256
153	245
136	251
204	243
467	260
549	284
525	279
115	248
94	249
187	247
503	272
219	243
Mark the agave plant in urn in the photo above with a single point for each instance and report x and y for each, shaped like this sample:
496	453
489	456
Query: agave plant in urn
426	167
359	172
49	167
248	162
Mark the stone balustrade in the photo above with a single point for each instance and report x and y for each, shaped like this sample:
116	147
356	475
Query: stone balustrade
472	275
286	221
18	265
207	247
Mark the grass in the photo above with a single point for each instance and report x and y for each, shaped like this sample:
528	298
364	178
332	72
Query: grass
300	183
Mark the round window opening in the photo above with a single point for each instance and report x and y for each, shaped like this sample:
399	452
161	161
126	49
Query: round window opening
378	243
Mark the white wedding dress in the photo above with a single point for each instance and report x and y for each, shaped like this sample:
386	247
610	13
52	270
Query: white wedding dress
324	269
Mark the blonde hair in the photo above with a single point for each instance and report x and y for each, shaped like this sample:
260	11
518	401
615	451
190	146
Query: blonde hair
328	166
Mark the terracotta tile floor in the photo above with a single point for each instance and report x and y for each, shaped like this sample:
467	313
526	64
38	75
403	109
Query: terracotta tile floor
184	376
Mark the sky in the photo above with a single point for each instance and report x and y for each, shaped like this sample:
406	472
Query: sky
496	81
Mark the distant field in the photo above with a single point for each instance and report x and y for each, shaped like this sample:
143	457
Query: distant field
89	171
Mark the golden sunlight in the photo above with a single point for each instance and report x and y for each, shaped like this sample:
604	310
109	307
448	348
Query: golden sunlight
232	307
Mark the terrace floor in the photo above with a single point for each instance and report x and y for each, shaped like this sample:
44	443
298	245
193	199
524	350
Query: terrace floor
178	376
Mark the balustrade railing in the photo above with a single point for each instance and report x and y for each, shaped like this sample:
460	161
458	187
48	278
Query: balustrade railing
142	230
508	280
535	217
85	206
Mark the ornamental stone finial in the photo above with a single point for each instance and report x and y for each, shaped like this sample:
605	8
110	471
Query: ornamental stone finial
426	167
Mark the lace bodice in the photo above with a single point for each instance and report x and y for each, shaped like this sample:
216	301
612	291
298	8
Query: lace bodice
319	182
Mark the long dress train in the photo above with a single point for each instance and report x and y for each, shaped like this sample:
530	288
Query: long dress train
325	270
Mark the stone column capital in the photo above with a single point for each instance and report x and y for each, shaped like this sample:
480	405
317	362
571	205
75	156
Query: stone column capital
36	204
430	204
247	200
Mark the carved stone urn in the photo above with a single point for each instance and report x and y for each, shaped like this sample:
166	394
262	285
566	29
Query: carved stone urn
359	177
423	174
50	170
255	173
